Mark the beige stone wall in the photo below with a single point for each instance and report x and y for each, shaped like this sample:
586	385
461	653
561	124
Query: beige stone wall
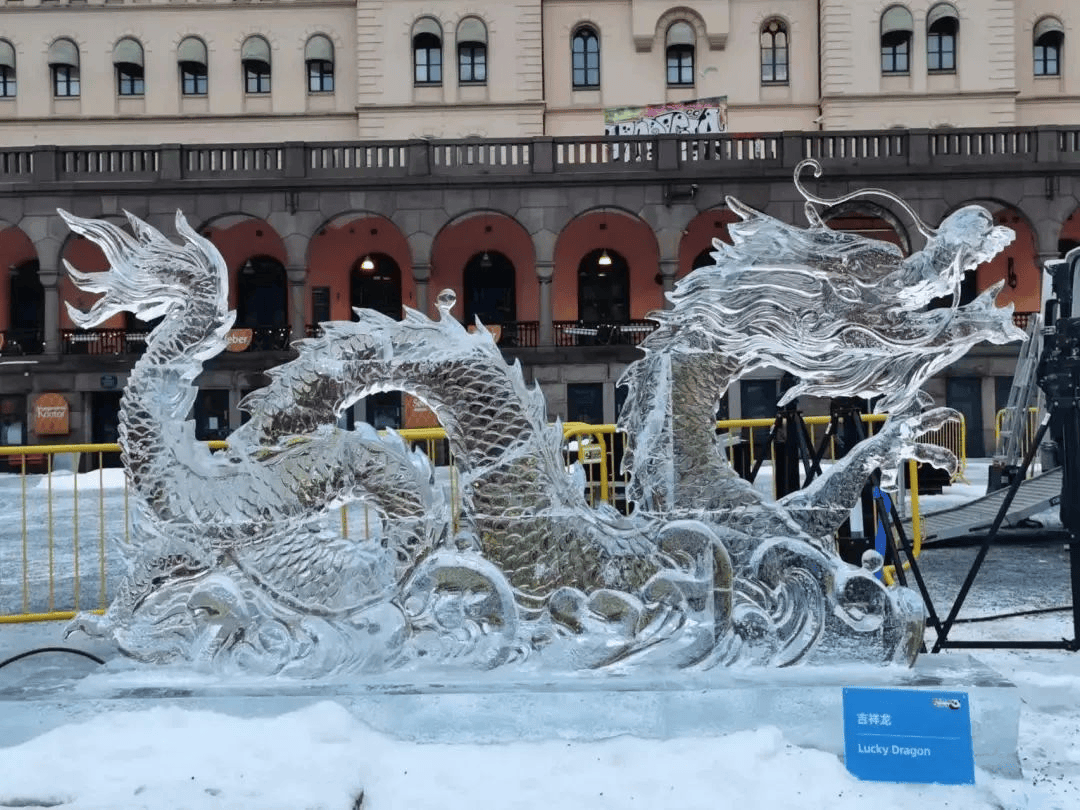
162	114
633	62
528	91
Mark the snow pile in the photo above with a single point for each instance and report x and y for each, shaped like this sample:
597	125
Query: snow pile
66	481
321	757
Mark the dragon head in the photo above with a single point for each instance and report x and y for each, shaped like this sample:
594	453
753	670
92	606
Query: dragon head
148	274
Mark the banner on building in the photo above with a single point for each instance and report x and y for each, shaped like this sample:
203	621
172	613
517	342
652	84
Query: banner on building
703	115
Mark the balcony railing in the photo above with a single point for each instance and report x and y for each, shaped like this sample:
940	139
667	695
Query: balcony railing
724	154
102	341
588	333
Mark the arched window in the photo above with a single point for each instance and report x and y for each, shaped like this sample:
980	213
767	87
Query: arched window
255	57
375	283
128	60
774	52
191	57
427	51
896	28
472	51
490	291
585	48
319	57
1049	36
64	65
681	39
942	23
7	69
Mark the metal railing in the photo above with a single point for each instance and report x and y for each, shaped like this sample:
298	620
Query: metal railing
892	150
55	545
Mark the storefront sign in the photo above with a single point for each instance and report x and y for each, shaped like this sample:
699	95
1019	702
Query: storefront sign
51	415
418	415
108	382
237	340
908	735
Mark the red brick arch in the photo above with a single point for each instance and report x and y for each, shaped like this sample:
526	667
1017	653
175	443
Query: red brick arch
339	244
477	232
615	230
15	249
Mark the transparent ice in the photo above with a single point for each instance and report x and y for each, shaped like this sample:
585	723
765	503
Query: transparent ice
232	566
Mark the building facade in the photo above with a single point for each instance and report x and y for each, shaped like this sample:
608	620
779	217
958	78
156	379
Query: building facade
356	153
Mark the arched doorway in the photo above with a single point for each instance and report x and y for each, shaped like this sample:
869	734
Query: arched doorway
603	295
375	283
262	302
26	332
490	291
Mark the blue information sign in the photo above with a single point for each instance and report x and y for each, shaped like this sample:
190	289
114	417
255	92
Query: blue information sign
907	735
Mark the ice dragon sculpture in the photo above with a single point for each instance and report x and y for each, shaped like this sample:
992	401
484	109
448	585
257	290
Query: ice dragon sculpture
232	566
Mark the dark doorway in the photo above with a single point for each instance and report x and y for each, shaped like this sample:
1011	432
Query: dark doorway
26	334
603	288
585	403
965	395
104	425
262	302
212	415
375	283
703	259
384	410
759	399
490	292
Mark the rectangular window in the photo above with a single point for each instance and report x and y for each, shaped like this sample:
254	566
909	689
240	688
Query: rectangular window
65	81
587	68
1046	60
894	58
129	82
472	64
320	76
193	80
429	65
680	66
256	78
7	82
941	52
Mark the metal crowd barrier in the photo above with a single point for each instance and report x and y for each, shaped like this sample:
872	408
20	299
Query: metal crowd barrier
55	540
1031	427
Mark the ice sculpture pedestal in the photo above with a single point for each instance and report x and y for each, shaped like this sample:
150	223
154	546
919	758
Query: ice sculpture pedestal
805	704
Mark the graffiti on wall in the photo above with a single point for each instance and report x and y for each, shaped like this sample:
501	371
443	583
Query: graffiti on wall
700	116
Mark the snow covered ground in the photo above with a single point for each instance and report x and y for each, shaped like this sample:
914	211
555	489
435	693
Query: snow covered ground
321	757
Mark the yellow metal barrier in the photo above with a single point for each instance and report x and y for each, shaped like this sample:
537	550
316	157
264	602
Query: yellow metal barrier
1031	427
44	573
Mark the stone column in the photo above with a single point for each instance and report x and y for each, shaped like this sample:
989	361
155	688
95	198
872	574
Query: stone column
421	276
50	281
297	302
668	269
545	271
